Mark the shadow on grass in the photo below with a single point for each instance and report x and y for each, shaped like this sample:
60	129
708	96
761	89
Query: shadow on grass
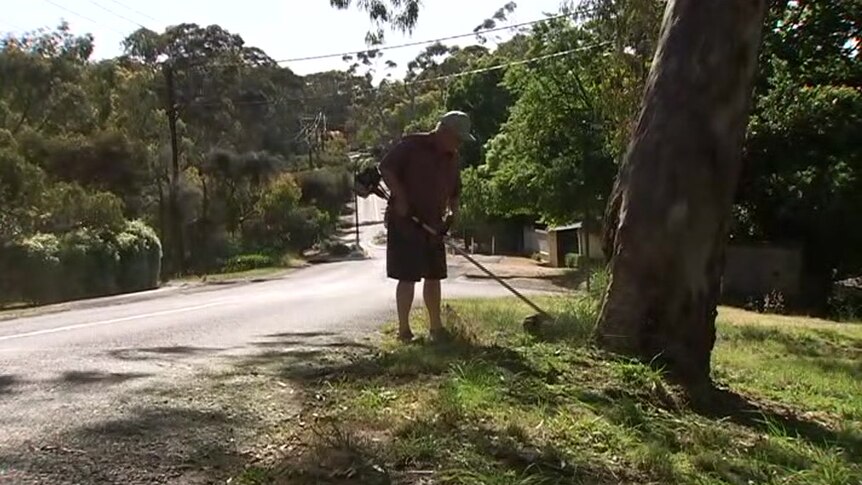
812	343
293	348
717	403
852	369
408	363
341	455
347	454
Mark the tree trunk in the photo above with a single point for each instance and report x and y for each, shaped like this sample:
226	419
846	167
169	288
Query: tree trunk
668	217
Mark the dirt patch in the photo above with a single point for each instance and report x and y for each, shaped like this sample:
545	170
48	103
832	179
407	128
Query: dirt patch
524	272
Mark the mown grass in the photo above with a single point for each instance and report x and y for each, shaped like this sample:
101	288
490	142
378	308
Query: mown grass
497	406
286	263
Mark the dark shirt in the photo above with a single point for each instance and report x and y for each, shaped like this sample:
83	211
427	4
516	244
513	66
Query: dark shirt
429	176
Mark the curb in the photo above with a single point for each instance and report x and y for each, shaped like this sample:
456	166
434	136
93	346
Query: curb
168	288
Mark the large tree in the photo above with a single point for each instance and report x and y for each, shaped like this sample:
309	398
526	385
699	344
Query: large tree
668	218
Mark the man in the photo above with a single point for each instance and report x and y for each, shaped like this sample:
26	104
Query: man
422	174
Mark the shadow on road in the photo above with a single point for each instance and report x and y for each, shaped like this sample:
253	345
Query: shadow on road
196	431
149	353
7	382
150	444
80	378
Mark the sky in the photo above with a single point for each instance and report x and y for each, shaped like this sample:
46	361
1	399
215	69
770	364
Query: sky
281	28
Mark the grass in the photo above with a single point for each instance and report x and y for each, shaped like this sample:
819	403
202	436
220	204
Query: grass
287	262
499	407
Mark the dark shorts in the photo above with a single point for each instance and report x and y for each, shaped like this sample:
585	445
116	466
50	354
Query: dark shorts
412	255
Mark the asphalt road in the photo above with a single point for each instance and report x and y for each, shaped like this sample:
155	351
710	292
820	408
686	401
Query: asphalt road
77	367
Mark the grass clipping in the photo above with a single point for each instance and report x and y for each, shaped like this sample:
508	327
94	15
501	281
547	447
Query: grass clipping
497	406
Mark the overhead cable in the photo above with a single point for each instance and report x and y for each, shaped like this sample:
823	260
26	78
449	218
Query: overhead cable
495	67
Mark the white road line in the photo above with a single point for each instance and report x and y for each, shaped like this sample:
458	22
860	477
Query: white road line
113	320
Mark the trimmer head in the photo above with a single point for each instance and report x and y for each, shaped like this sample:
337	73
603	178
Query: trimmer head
368	182
534	323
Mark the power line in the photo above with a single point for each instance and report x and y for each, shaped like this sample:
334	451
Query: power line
115	14
121	4
14	26
407	44
52	2
508	64
423	42
496	67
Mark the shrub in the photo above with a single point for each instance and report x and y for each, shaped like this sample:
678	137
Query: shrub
47	268
327	189
30	270
140	257
69	206
773	302
845	304
22	186
90	262
572	260
246	262
335	248
274	215
307	226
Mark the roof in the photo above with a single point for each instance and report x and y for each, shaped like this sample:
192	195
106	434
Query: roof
569	227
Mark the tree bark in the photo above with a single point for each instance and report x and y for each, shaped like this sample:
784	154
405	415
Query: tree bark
669	212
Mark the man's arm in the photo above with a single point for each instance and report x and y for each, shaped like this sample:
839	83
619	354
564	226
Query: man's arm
455	198
391	168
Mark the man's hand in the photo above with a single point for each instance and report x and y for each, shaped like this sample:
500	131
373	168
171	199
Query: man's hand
447	224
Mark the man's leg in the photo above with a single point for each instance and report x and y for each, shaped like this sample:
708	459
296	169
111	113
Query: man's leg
404	301
431	294
402	260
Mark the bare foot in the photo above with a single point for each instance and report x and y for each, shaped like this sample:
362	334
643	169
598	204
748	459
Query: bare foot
405	336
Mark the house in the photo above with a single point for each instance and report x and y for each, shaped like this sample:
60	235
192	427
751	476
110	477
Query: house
553	243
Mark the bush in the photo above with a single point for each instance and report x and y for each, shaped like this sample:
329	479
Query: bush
308	226
272	223
22	186
572	260
336	248
47	268
31	270
327	189
845	305
246	262
140	257
90	263
69	206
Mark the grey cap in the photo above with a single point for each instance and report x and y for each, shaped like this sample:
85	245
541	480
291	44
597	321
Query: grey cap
459	123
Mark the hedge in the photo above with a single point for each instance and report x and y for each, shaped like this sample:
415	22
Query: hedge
247	262
48	268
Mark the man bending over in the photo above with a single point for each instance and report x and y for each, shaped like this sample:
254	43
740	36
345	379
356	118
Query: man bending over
422	174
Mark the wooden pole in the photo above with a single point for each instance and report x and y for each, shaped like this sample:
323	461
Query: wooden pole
176	225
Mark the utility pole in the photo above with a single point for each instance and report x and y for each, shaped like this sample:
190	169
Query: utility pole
355	163
176	224
586	228
356	208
